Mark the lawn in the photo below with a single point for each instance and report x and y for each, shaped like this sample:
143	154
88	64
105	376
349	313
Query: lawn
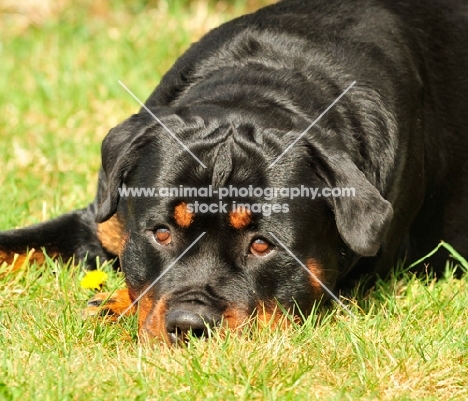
59	96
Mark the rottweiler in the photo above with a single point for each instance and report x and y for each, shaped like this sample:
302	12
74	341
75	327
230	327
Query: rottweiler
363	103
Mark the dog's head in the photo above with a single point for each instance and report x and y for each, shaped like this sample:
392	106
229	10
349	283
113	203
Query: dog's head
205	258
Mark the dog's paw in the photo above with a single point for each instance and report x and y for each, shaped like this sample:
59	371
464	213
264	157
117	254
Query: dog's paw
110	304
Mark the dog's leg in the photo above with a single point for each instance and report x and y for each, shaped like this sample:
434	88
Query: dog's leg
71	235
112	304
74	234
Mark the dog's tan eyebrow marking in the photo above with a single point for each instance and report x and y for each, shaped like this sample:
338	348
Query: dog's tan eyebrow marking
182	215
110	234
240	218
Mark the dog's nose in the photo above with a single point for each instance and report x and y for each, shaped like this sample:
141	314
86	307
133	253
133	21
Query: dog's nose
180	322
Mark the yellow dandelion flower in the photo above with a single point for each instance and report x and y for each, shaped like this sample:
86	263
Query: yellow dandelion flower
94	279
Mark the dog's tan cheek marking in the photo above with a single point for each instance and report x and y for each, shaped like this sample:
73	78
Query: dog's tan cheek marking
240	218
316	272
235	317
269	314
182	215
110	234
152	320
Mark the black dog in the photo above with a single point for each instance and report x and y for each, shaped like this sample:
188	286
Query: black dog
237	100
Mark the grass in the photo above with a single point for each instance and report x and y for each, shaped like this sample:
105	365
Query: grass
409	340
59	96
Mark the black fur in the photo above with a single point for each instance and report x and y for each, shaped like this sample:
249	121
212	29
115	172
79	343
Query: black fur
239	97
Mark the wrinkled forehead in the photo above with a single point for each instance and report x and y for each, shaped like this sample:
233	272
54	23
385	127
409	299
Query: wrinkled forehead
172	176
201	165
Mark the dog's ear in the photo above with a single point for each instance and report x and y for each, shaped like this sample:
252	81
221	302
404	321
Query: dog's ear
120	153
363	219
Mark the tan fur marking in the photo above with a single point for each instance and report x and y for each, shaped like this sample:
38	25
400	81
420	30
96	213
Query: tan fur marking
240	218
16	260
182	215
316	272
110	233
235	317
269	314
112	304
152	320
123	243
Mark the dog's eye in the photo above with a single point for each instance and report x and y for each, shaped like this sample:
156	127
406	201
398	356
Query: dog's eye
260	247
163	236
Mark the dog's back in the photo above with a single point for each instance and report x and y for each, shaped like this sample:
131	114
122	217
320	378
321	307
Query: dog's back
406	119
